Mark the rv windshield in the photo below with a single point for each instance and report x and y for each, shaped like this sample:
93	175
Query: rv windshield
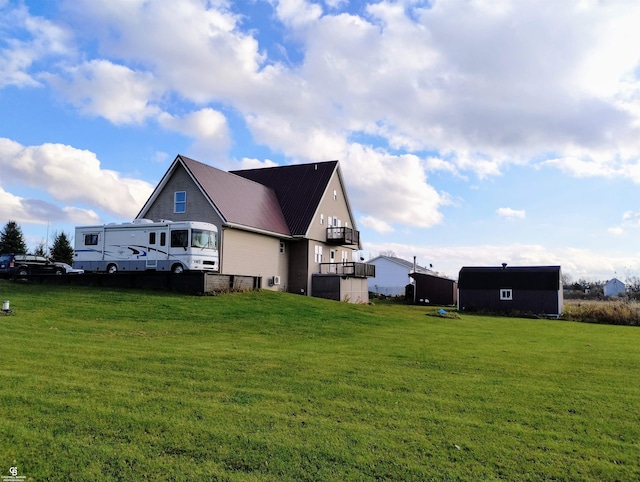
203	239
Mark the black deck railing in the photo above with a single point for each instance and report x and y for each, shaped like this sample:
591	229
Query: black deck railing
349	268
342	235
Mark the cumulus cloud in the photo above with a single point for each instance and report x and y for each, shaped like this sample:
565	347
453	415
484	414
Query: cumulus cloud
397	91
28	39
69	175
375	224
208	126
115	92
509	213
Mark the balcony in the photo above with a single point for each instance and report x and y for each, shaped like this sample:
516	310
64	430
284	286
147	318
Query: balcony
349	269
342	235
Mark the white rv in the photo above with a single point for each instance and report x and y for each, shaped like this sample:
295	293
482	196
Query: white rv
147	245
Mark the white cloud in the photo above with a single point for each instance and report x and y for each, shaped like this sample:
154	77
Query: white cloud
32	39
509	213
70	175
208	126
115	92
375	224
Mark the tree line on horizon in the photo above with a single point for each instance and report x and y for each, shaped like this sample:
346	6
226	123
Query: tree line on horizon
12	241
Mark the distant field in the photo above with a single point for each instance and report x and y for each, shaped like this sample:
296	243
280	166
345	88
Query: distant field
135	385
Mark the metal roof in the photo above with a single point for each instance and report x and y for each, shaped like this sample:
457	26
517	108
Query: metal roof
239	200
299	189
514	277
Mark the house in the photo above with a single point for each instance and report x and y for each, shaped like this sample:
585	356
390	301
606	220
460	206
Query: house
614	287
292	226
433	289
534	289
392	275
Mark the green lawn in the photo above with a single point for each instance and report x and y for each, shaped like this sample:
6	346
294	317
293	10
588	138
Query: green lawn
135	385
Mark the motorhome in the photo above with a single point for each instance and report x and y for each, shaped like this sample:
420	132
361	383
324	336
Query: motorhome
147	245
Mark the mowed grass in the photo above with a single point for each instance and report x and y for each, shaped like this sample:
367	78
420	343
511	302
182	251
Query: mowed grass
101	384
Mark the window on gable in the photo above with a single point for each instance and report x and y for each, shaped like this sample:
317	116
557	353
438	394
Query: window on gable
335	195
506	294
321	218
180	202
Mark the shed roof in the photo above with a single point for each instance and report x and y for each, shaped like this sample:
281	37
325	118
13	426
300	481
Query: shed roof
514	277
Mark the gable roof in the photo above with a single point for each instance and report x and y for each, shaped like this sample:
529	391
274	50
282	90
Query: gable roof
299	189
516	277
238	201
402	262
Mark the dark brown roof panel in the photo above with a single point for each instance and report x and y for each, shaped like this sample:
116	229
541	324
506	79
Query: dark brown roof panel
239	200
299	189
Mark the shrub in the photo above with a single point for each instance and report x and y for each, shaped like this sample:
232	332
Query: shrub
605	312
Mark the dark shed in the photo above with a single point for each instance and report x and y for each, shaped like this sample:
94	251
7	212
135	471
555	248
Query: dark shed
535	289
434	289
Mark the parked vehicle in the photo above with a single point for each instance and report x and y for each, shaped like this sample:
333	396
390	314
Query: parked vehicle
147	245
13	265
68	269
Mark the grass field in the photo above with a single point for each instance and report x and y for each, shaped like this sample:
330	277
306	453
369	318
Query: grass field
135	385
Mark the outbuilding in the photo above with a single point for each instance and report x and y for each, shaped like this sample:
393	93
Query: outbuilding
433	289
614	287
506	289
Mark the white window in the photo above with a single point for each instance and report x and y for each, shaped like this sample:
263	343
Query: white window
180	202
506	294
345	256
335	195
318	254
322	219
330	221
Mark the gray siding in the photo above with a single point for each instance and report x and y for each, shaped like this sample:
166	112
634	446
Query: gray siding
198	206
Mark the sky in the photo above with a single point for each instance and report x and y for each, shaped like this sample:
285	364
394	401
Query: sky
469	132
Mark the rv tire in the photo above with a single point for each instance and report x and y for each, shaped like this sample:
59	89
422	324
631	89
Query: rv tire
112	268
177	269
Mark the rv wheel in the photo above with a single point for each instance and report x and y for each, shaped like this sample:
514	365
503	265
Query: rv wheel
112	268
177	269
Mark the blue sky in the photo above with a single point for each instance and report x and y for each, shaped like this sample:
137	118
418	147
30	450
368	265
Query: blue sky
469	132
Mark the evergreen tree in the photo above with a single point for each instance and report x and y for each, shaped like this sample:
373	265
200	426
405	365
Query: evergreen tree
62	250
12	239
40	249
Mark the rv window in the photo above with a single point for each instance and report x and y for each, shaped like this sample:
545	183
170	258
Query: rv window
91	239
179	238
163	239
203	239
152	238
